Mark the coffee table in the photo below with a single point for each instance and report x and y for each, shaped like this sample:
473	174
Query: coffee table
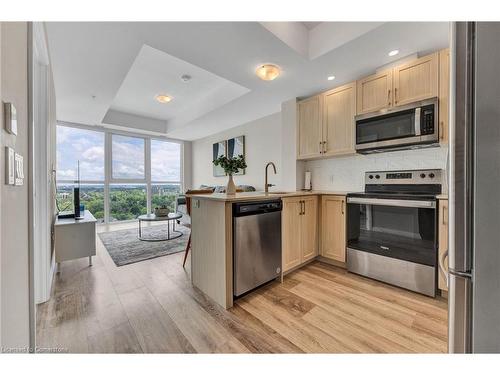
171	234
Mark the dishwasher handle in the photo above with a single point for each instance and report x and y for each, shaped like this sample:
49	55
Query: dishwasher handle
256	208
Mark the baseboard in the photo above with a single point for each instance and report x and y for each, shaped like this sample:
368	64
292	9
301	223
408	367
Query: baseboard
331	261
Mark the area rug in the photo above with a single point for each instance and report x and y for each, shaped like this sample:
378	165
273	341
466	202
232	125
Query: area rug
125	248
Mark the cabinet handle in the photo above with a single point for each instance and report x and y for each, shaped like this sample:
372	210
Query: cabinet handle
441	133
320	147
396	95
342	206
443	219
303	207
389	97
324	147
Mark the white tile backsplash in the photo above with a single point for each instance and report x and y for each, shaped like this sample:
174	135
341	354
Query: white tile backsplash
347	173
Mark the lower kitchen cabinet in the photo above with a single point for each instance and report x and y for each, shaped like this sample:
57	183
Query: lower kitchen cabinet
333	227
443	239
300	230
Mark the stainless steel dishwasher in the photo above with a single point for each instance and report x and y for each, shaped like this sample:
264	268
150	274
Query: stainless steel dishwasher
256	244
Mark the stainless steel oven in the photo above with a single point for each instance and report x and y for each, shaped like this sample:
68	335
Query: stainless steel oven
392	229
409	126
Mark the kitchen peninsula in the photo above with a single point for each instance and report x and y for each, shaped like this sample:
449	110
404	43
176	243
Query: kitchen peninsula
212	234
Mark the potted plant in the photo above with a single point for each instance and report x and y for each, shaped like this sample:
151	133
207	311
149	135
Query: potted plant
231	165
161	211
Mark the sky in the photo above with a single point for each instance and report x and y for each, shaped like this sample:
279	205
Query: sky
75	144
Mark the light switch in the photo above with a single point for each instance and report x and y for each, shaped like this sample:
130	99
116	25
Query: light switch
19	170
10	165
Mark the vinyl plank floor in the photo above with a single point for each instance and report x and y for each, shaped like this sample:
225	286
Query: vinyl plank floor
152	307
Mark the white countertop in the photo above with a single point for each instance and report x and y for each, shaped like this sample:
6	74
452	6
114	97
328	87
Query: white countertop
260	195
87	218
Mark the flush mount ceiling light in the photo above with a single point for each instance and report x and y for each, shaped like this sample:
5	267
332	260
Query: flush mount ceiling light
163	98
393	52
268	72
331	78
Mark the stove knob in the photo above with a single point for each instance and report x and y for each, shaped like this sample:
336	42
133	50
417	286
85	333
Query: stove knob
422	175
370	177
377	176
432	175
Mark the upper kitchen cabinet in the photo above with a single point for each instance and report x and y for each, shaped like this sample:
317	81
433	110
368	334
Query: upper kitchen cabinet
444	94
374	92
309	127
339	109
416	80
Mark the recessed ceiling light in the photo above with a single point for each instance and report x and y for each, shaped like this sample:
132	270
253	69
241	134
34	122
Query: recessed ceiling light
163	98
331	78
393	52
268	72
185	77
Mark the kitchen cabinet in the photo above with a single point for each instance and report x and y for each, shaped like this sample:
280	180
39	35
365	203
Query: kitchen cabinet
299	230
444	94
309	119
333	227
339	109
374	92
416	80
403	84
443	239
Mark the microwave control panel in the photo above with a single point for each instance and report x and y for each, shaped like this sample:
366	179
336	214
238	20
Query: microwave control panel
427	120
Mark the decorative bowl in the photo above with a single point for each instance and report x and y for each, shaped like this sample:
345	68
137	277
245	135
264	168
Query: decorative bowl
161	211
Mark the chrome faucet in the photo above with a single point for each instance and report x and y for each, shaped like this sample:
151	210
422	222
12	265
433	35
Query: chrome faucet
266	185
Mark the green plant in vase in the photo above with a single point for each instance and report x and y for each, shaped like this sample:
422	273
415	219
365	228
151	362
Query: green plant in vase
231	166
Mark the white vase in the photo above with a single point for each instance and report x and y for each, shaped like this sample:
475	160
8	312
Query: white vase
231	187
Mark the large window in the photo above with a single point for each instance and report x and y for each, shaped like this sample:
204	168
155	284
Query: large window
165	173
127	157
131	177
127	201
86	148
75	145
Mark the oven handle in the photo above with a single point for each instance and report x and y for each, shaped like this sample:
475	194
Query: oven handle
392	202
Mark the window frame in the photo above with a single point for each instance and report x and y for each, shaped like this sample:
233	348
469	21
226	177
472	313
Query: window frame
108	176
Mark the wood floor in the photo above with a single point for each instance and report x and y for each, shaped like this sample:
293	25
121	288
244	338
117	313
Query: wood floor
151	307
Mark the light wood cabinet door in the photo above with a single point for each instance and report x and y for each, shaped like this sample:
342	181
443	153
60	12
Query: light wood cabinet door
416	80
339	109
443	239
333	235
444	94
291	233
309	127
309	228
374	92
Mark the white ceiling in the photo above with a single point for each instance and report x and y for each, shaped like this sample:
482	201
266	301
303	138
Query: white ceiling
109	73
155	72
311	25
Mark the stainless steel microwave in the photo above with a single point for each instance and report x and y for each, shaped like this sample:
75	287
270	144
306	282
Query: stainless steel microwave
410	126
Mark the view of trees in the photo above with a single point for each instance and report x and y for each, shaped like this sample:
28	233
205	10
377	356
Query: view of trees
126	201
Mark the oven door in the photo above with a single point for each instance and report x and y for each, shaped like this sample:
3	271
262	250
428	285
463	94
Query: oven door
397	228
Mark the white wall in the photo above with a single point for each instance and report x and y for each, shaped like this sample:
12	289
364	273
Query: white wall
263	141
292	170
14	222
347	173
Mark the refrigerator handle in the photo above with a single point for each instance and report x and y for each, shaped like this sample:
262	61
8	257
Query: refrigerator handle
442	268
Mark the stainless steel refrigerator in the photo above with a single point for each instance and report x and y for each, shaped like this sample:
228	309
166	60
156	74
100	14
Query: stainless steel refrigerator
474	251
